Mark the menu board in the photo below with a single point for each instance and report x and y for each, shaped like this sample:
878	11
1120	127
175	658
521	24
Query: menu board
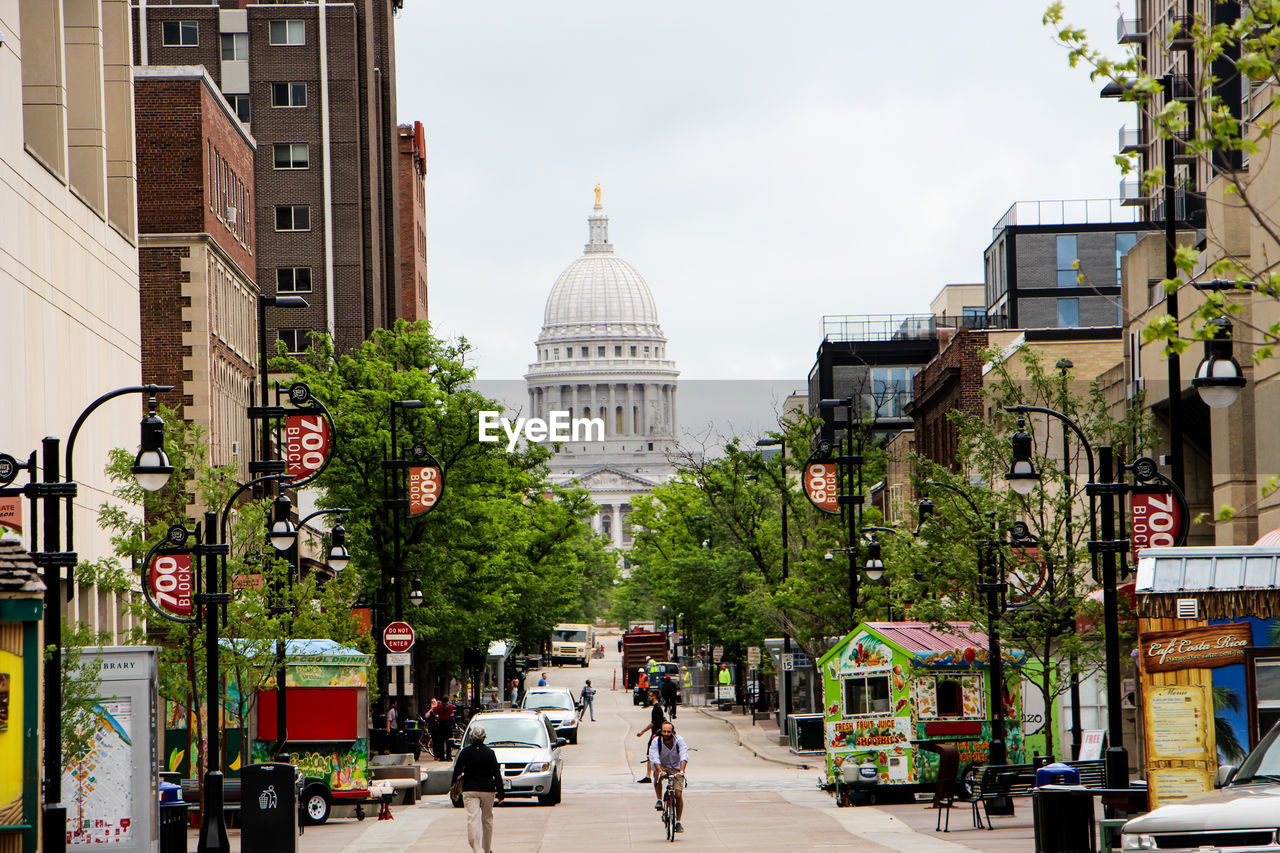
1179	721
1170	784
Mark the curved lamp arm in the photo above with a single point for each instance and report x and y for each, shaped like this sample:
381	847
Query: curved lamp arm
1074	427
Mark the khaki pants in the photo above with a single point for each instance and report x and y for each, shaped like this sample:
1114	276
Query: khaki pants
479	805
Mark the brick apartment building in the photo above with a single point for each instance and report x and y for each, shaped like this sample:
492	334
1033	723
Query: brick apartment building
411	172
196	251
315	84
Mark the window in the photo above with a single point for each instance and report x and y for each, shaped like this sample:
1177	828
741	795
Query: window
633	352
1067	254
617	352
950	698
288	32
291	155
869	695
288	94
646	352
584	352
568	352
293	280
1266	680
557	354
235	46
295	340
293	217
181	33
1124	242
240	105
599	352
1068	313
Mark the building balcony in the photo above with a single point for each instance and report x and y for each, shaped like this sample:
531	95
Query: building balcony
1131	193
1181	36
1183	88
1132	139
903	327
1130	30
1182	150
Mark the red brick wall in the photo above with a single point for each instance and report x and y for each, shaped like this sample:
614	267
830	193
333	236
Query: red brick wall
192	163
411	181
160	280
951	381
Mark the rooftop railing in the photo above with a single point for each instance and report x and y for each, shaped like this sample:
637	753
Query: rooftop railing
1085	211
902	327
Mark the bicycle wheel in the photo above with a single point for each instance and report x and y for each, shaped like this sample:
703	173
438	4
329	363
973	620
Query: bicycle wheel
669	813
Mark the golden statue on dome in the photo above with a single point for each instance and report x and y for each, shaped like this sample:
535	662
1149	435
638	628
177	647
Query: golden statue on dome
598	192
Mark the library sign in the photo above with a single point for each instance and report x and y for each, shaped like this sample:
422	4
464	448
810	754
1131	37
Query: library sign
1195	648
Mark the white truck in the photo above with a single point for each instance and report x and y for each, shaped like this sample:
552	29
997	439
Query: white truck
572	642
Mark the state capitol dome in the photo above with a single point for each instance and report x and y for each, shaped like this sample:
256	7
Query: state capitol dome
601	355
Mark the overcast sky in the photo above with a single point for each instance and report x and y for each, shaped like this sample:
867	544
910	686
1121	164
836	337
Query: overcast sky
763	163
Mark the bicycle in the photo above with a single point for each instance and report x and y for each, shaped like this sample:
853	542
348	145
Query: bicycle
669	812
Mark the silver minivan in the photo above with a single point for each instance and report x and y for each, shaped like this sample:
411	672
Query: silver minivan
528	752
1243	816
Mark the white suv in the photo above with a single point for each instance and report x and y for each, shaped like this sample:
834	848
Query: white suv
559	705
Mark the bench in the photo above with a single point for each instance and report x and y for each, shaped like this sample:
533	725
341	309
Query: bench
987	783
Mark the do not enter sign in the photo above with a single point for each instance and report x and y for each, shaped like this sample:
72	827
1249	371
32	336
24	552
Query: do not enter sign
398	637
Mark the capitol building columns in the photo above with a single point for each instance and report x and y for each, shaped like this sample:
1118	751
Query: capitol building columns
602	354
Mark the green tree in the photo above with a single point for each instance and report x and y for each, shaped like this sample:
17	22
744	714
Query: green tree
504	554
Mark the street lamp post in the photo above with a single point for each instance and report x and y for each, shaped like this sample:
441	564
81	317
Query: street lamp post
398	504
993	585
151	468
1023	479
787	701
849	462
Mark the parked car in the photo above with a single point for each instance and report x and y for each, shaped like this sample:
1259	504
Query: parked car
1240	815
528	751
559	706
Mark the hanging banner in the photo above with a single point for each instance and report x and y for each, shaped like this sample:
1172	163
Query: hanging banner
820	484
307	446
1155	521
426	483
171	582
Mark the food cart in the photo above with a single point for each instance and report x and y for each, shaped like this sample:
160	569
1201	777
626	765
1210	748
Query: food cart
894	691
328	714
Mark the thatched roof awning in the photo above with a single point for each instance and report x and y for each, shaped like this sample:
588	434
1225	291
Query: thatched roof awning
1227	582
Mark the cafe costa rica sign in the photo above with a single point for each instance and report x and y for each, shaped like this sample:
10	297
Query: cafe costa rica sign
820	482
1194	648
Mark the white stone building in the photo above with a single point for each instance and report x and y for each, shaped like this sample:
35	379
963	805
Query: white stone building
602	354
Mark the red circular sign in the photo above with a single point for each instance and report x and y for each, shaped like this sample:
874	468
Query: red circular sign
398	637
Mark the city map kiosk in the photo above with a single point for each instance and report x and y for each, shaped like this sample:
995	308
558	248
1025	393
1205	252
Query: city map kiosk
111	794
893	690
1209	661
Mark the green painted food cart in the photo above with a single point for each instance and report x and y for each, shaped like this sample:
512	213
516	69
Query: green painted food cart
895	691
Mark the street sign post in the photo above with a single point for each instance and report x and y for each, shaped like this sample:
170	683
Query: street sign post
398	637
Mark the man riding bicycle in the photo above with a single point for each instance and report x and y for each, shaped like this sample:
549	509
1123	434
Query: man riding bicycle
669	755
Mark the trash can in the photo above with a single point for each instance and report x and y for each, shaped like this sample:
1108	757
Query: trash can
1063	818
173	819
1057	774
269	808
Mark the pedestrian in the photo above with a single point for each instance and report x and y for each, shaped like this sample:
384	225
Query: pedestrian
481	786
656	719
542	680
445	731
513	690
433	730
669	693
392	718
588	696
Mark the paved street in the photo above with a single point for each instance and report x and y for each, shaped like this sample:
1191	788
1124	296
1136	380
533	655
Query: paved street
746	794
